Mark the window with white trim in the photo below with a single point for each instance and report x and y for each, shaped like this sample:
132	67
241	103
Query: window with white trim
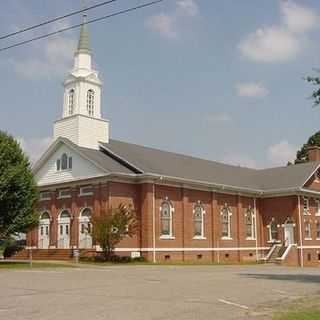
250	220
226	215
318	230
307	230
306	210
317	207
198	221
273	231
64	163
86	191
45	195
64	193
90	102
71	102
166	211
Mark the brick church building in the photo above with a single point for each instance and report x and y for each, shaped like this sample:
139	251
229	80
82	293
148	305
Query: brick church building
189	209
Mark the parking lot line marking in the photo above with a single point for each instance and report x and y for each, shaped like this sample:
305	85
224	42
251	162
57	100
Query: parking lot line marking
234	304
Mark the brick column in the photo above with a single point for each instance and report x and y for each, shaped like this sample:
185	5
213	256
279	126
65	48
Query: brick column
146	218
239	210
215	231
74	227
184	212
54	222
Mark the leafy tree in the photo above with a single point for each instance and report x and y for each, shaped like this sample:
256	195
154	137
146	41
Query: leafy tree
302	154
109	229
18	190
315	81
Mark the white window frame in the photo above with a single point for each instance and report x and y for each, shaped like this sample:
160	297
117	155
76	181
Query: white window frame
90	102
318	230
69	161
88	193
253	224
307	223
226	207
271	240
317	207
45	195
306	206
169	236
71	99
61	196
203	212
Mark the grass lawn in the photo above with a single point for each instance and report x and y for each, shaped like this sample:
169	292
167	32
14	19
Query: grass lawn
305	309
25	265
300	315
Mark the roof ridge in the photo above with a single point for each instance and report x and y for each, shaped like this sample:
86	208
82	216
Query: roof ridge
183	154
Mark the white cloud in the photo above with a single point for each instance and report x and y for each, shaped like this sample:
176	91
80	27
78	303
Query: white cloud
252	89
46	58
162	24
238	159
297	18
34	147
282	152
220	118
51	59
170	25
283	42
187	7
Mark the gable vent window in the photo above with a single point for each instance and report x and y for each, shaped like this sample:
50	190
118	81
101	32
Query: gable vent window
64	163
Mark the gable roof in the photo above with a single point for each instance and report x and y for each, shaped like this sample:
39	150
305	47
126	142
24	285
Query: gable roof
154	161
117	157
96	157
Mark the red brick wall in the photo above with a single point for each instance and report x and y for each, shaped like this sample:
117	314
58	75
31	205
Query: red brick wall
141	197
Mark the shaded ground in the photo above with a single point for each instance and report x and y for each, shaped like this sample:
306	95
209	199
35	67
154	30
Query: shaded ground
153	292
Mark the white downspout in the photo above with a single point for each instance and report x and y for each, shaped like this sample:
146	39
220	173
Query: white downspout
153	224
256	228
300	227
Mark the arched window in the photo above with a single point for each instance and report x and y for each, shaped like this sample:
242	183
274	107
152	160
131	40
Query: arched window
86	213
250	221
90	102
71	102
273	230
198	221
64	214
64	162
45	216
166	219
226	222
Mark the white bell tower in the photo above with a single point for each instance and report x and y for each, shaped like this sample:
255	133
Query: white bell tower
81	120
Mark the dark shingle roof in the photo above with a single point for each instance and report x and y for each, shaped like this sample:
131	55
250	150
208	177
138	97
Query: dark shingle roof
150	160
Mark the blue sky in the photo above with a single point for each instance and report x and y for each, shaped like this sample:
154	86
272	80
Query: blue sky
221	80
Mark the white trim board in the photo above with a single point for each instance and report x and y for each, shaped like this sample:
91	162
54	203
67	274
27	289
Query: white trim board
189	249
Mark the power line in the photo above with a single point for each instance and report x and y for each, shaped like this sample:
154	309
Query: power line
56	19
80	24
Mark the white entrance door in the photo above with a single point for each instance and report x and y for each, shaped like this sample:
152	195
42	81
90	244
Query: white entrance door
85	239
44	234
288	234
64	235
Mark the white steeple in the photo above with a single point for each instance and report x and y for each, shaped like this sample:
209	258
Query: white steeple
81	119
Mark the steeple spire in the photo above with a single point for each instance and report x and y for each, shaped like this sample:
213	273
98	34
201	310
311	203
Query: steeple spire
84	44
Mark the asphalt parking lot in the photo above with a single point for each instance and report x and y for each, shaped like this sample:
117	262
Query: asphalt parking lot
151	292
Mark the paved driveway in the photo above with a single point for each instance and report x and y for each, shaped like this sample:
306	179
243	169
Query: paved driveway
150	292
